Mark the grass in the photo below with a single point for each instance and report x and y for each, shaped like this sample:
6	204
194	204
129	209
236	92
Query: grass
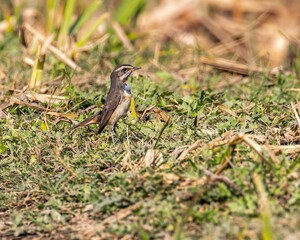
60	184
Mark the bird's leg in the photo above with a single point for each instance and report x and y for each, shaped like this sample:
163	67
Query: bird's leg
113	131
112	137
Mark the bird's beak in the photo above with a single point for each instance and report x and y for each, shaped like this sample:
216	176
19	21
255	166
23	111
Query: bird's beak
136	68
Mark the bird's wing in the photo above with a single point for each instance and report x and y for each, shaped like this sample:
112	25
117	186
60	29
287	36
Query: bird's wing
110	105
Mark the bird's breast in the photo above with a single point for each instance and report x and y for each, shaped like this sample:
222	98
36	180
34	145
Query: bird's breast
122	108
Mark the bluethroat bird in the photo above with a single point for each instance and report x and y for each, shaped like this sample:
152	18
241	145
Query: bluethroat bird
117	102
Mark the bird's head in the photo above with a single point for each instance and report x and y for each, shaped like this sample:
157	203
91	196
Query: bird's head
122	72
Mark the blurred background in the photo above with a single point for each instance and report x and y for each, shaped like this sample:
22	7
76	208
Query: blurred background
222	33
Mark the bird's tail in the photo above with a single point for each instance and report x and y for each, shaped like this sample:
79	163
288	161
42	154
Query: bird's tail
91	120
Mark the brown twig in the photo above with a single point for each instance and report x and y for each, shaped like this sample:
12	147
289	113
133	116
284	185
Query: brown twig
122	36
232	66
19	100
194	146
56	52
233	139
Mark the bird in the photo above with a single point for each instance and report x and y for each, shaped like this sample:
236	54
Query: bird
117	102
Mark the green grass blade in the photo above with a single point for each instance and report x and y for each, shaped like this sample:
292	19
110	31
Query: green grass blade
87	13
265	212
68	13
50	15
127	10
18	9
85	38
37	72
161	132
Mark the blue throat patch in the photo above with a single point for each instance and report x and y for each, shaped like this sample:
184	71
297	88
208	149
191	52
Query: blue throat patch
127	88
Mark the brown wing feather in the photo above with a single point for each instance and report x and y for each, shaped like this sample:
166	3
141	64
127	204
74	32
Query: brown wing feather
110	105
112	101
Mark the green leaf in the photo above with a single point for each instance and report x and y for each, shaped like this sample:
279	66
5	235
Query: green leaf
50	15
87	13
127	10
68	13
188	99
3	148
91	30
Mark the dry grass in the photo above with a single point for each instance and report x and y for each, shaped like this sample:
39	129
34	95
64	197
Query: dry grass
214	153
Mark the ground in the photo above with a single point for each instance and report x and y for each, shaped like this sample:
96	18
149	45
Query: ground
205	159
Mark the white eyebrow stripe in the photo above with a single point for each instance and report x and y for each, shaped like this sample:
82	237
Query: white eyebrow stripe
120	68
